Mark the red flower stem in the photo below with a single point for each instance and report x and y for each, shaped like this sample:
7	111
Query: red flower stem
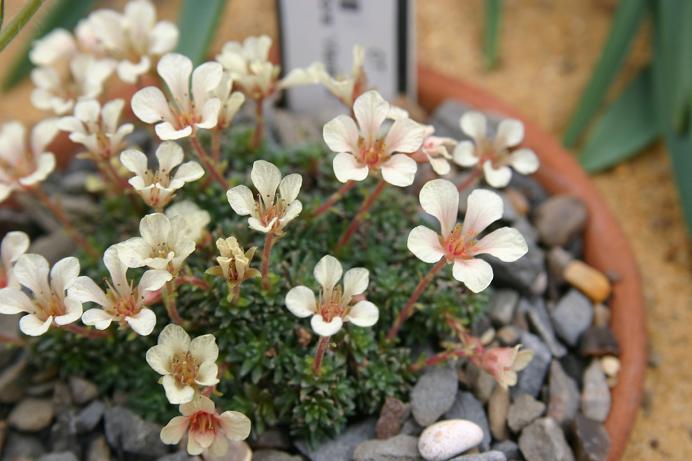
169	302
361	214
208	163
216	146
86	332
438	358
192	280
266	256
407	311
335	197
470	180
319	354
258	134
60	215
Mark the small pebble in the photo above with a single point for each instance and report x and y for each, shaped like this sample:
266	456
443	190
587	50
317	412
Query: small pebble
485	456
32	415
523	411
543	440
595	397
588	280
434	394
508	336
498	407
610	365
449	438
392	416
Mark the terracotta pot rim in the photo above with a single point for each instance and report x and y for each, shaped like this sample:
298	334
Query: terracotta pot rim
606	247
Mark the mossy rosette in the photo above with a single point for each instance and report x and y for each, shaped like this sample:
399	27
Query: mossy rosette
266	353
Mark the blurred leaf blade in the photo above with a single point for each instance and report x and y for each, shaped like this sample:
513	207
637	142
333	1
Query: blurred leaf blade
627	126
680	149
23	16
491	31
198	22
2	13
63	14
627	19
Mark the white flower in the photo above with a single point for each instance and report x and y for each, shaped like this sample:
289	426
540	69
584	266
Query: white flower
121	302
14	244
164	244
494	155
459	243
206	429
184	113
345	88
184	364
335	304
134	38
248	65
157	187
97	128
230	101
57	90
360	148
23	166
435	150
268	213
59	46
47	303
196	218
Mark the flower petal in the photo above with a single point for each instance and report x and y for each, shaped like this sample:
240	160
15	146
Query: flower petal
465	154
153	280
159	358
301	302
98	318
175	70
235	425
45	164
150	106
475	273
524	161
63	274
399	170
496	177
204	349
175	338
474	124
289	187
323	328
31	325
169	155
13	246
292	211
347	168
31	271
207	374
85	290
173	432
174	393
241	200
266	178
143	322
440	198
328	272
135	161
483	207
14	301
425	244
371	111
363	314
510	132
341	134
507	244
405	135
205	78
73	311
167	132
356	281
155	228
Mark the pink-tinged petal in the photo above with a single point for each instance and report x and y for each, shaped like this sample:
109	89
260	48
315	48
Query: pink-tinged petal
363	314
323	328
241	200
218	447
524	161
98	318
199	403
341	134
176	394
150	105
205	78
135	161
31	325
483	207
496	177
175	70
399	170
356	281
510	132
328	272
507	244
301	302
440	198
167	132
172	433
371	111
465	154
63	274
14	301
235	425
405	135
425	244
347	168
169	155
439	165
204	438
475	273
143	322
73	311
193	446
474	124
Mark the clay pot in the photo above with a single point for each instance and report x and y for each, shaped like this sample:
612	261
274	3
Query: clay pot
606	247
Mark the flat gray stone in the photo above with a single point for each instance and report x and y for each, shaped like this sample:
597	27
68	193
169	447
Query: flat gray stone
22	446
560	219
434	394
98	450
540	320
523	411
572	316
486	456
64	456
543	440
502	305
531	378
88	418
595	397
343	446
83	391
498	407
509	447
563	401
32	415
592	440
127	431
522	273
398	448
274	455
468	407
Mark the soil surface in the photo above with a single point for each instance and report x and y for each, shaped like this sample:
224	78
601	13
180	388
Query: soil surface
547	53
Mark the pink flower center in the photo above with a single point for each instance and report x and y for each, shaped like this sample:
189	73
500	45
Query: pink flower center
372	156
457	246
332	305
51	307
203	422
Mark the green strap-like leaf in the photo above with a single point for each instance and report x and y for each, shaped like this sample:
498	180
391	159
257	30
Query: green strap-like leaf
680	149
65	14
627	19
198	21
491	31
627	126
18	22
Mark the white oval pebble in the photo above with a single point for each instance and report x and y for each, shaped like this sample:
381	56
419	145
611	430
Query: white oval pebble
445	439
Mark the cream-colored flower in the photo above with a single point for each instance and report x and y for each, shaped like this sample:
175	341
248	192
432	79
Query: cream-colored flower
97	128
494	156
196	218
230	101
336	304
234	262
503	363
48	303
191	105
459	243
248	65
121	302
361	148
23	166
134	38
58	90
434	150
269	212
14	244
164	244
206	429
158	187
57	48
184	364
347	87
